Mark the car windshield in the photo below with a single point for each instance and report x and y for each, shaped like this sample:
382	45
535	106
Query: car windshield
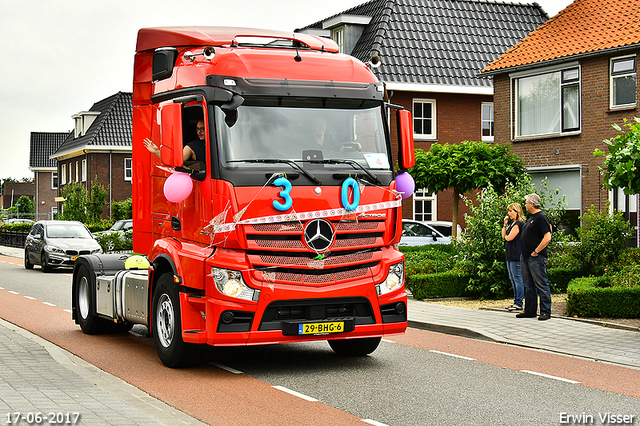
67	231
117	226
416	230
338	132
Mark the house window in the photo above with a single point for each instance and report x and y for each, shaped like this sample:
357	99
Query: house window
338	37
424	118
487	121
63	174
548	103
70	173
623	82
84	170
128	170
424	205
77	180
54	180
54	212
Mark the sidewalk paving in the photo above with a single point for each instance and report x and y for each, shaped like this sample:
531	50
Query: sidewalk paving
39	377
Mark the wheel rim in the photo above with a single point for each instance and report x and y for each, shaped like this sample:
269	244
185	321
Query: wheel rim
165	323
83	297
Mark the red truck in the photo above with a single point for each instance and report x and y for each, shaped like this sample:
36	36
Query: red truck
281	223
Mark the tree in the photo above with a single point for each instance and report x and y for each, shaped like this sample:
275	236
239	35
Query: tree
622	163
25	205
95	205
74	206
465	167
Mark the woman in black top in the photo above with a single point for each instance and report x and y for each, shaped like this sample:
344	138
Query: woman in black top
511	233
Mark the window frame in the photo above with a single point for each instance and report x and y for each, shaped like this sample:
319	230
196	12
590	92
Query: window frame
128	168
54	180
424	136
421	195
70	172
621	74
63	174
491	121
84	170
563	83
338	36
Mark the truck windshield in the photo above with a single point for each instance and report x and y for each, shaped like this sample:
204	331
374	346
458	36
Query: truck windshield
303	131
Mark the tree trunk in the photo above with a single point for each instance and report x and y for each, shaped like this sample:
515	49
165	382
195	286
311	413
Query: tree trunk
454	220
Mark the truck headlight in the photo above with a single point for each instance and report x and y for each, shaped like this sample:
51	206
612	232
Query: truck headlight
394	280
230	283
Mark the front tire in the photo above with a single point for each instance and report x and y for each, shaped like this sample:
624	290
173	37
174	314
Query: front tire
43	263
355	347
167	326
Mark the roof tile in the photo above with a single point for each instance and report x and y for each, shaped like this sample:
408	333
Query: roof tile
585	26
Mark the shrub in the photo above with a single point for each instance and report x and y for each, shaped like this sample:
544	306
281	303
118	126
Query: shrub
603	237
115	241
446	284
122	209
559	278
595	298
430	259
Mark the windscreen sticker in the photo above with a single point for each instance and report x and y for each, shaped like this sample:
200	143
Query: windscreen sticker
377	161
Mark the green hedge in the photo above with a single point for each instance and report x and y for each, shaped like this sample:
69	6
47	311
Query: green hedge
559	278
592	297
446	284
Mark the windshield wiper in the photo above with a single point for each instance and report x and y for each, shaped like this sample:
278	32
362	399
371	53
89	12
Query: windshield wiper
352	163
292	163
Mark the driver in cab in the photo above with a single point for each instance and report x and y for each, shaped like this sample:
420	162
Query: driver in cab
193	151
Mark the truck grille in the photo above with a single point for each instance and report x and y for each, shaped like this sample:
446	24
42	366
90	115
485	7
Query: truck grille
277	252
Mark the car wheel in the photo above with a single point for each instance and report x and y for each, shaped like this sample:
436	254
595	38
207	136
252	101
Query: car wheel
167	326
27	262
44	263
83	296
355	347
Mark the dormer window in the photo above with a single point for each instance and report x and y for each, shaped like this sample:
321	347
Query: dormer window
338	36
83	121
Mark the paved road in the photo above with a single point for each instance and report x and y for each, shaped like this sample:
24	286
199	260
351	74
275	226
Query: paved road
420	378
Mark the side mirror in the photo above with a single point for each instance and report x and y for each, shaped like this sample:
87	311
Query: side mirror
171	135
405	139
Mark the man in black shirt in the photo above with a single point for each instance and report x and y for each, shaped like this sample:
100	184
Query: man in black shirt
536	235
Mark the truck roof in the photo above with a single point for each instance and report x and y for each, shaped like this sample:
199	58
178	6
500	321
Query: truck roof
153	38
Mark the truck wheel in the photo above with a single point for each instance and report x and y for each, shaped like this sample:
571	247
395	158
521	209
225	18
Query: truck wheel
27	262
355	347
167	326
84	300
43	263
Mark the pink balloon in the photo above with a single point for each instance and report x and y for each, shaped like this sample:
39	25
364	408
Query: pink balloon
177	187
405	184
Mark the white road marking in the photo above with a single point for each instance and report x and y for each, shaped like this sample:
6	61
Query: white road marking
294	393
453	355
374	423
30	298
13	292
224	367
388	341
47	303
550	377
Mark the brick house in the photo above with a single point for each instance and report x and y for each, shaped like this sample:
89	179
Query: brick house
558	92
431	54
45	170
14	190
99	145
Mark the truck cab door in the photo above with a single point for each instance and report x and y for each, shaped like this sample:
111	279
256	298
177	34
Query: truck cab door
176	124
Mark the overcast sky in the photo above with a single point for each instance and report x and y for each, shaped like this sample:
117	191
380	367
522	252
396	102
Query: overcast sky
59	57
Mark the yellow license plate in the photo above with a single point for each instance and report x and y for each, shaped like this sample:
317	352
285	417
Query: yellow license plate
73	258
321	328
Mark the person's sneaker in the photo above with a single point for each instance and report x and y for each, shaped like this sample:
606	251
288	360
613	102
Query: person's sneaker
544	317
525	315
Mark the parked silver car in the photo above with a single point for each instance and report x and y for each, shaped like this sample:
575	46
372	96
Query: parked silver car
53	243
415	233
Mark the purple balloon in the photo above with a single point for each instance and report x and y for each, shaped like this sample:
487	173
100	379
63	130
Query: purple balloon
177	187
405	184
